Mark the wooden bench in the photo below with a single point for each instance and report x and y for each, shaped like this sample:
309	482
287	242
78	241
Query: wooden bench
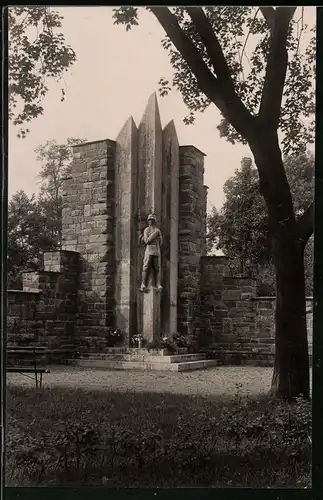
30	353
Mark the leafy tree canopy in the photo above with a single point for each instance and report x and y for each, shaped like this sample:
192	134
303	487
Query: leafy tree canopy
55	160
37	52
244	34
35	224
28	234
241	228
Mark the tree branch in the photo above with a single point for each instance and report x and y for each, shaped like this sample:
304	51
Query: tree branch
305	224
213	48
220	89
247	37
269	15
270	107
218	61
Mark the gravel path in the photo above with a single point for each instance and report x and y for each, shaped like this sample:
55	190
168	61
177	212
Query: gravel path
218	381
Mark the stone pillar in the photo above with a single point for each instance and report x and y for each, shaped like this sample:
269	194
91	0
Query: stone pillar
126	159
88	228
169	226
149	192
190	237
151	315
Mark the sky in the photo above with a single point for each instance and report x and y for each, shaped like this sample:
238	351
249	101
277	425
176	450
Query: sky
115	73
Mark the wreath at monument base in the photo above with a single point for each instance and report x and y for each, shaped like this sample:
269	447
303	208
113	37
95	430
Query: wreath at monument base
175	342
115	337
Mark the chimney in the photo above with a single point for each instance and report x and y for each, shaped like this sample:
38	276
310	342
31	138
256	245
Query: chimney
246	162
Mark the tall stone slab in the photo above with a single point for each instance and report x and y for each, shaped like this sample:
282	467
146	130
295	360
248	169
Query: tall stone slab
149	192
88	228
150	160
126	160
169	225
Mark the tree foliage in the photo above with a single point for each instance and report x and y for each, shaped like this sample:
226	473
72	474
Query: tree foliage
242	47
241	228
28	235
37	52
55	160
35	223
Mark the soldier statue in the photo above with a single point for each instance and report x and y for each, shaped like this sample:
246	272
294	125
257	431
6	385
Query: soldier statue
152	239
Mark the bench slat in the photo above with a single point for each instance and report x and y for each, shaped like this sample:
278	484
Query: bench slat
26	370
27	349
29	353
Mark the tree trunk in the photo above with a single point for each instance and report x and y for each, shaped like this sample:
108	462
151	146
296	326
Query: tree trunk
291	370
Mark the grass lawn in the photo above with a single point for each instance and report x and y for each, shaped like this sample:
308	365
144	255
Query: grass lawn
64	436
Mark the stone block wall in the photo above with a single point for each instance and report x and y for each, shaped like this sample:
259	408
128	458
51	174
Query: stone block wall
23	328
44	312
191	238
265	318
231	313
239	326
59	286
214	311
89	228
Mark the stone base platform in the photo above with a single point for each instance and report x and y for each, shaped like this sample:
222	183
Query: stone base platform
143	359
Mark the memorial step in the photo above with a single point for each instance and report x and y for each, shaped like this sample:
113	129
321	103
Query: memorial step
175	358
132	350
144	365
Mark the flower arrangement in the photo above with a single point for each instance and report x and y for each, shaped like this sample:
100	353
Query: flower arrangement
137	340
181	340
174	342
115	337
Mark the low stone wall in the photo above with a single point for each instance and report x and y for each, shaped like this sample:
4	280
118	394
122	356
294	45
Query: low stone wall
23	327
232	317
214	311
265	317
227	313
44	312
232	314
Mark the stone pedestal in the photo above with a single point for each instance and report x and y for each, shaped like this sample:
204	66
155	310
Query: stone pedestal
151	315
